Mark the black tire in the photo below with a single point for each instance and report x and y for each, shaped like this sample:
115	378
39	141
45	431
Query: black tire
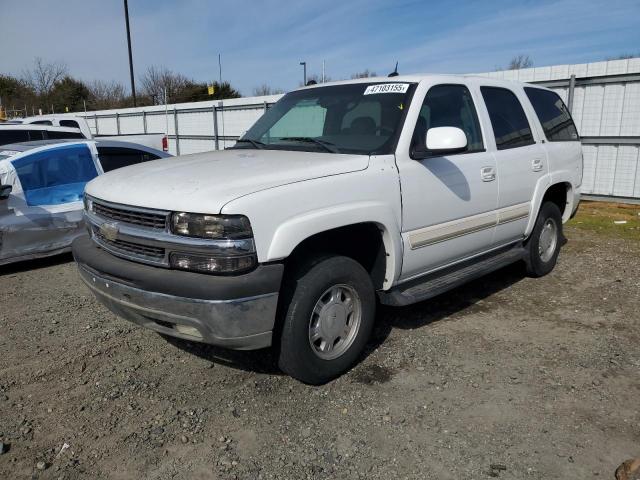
539	264
302	291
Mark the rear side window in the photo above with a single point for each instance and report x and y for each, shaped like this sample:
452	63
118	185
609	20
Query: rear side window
57	134
55	176
13	136
509	122
553	115
69	123
117	157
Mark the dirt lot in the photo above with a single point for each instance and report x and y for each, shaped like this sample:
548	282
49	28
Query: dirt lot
507	377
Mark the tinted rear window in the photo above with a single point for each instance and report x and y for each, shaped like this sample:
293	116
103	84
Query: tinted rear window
112	158
13	136
553	115
510	125
69	123
56	134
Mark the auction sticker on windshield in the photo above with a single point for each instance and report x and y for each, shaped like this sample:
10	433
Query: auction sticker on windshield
387	88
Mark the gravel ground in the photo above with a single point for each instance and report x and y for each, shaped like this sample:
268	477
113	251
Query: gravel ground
506	377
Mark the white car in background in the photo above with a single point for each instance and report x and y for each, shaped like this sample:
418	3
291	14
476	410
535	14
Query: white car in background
56	127
41	188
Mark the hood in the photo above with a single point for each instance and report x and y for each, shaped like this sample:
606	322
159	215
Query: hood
205	182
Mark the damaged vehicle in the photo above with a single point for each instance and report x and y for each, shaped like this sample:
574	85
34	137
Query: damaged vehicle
41	187
342	195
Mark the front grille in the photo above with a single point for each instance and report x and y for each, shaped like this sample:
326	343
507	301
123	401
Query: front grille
132	250
133	217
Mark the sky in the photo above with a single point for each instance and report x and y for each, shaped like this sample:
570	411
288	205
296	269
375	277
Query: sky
264	41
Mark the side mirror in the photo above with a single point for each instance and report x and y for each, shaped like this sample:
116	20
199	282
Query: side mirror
5	190
441	140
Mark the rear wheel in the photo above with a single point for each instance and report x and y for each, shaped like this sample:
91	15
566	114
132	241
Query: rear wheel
545	241
328	314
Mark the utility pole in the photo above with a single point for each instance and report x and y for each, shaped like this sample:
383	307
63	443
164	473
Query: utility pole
133	83
219	72
304	67
322	71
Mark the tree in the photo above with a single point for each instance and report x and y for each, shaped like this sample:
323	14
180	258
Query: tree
158	79
105	95
179	88
14	93
265	89
44	75
69	93
520	61
366	73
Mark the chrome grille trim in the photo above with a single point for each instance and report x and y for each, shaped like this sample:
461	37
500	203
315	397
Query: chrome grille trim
143	217
144	244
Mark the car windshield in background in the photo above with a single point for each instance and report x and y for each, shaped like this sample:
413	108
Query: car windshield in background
361	118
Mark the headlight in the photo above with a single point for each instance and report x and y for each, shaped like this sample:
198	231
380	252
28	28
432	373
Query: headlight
217	227
207	264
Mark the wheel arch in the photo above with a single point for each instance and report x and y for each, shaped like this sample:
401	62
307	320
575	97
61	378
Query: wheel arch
560	193
366	232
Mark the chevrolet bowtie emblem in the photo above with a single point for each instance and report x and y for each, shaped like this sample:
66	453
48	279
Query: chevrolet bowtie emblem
109	231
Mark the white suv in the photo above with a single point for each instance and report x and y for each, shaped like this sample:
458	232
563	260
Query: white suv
341	195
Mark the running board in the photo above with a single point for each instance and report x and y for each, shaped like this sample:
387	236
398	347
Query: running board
439	282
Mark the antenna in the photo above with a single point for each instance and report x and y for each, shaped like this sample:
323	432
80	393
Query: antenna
395	72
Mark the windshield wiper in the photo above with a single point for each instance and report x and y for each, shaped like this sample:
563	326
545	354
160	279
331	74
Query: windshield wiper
328	146
256	143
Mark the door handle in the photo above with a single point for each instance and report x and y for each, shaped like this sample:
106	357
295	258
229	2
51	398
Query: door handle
536	164
488	174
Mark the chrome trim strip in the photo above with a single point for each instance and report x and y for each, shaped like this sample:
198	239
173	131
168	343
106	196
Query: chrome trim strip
513	213
442	232
450	230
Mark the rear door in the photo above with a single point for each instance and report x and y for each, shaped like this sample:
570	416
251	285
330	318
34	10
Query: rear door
520	158
44	211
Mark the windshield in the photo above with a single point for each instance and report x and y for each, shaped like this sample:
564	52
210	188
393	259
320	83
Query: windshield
360	118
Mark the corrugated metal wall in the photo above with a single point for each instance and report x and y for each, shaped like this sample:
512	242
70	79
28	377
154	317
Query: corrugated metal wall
605	100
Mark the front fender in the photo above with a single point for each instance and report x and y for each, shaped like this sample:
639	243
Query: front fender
295	230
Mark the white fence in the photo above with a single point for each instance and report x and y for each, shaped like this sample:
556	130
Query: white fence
604	98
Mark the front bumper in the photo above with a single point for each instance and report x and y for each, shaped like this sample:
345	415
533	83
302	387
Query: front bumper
235	312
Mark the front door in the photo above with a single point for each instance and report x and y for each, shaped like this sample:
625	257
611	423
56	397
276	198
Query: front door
448	201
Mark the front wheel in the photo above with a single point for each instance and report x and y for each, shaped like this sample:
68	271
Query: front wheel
545	241
328	316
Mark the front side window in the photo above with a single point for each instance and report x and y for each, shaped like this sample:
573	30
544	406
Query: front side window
553	115
360	118
510	125
111	158
449	106
56	175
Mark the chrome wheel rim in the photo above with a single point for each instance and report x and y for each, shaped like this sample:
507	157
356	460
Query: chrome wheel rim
548	240
335	321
